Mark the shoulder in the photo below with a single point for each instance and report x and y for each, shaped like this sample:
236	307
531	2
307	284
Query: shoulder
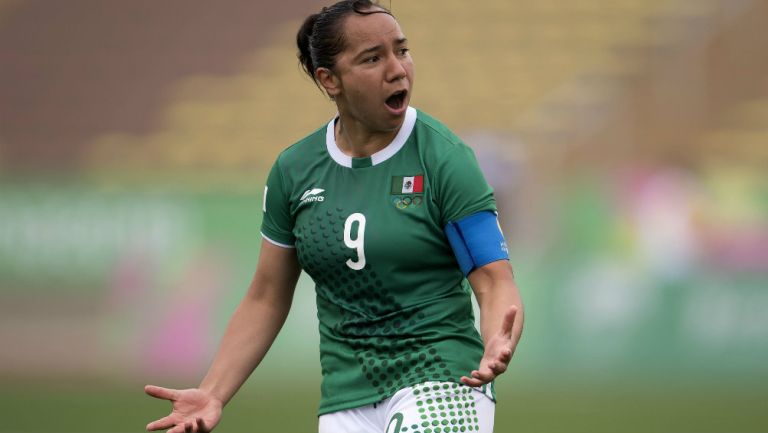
303	151
437	141
437	131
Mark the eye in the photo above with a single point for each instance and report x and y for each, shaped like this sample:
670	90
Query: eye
403	51
372	59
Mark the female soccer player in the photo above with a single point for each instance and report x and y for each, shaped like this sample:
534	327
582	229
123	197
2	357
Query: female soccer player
388	212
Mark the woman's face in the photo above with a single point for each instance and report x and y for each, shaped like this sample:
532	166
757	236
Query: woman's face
374	74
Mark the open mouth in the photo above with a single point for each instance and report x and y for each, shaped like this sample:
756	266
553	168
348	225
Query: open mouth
397	100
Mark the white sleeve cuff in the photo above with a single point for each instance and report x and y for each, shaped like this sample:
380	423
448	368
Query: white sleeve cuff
275	242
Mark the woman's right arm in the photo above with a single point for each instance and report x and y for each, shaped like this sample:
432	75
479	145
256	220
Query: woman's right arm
249	335
256	322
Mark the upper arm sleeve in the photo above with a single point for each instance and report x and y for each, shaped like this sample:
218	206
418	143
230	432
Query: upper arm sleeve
461	188
277	225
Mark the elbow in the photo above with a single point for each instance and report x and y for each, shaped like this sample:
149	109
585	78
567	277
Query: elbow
267	295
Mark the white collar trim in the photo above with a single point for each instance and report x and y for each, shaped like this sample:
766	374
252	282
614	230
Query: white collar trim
384	154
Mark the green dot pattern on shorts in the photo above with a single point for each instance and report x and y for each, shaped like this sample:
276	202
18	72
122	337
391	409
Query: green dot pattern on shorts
462	419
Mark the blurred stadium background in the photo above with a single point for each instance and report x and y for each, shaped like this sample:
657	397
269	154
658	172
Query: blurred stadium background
627	141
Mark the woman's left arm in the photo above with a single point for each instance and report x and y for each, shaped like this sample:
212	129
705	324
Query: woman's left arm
501	319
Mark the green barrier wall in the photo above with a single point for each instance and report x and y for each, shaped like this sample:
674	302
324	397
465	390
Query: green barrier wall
159	273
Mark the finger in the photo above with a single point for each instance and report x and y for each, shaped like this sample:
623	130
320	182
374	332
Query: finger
178	429
509	321
498	367
188	427
162	423
201	427
504	356
162	393
485	375
470	381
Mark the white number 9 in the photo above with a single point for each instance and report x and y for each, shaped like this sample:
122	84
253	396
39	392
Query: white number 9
356	243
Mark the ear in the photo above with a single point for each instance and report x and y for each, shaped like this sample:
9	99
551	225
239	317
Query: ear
329	81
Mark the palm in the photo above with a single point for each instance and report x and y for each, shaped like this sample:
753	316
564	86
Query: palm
193	410
498	352
192	404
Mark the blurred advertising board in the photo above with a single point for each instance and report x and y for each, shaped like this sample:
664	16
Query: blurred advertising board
135	283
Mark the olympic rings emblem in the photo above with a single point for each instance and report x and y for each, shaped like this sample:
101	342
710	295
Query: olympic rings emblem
403	203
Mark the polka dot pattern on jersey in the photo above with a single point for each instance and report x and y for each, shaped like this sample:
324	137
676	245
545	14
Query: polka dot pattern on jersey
388	361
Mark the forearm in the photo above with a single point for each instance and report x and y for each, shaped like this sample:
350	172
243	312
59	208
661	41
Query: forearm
249	335
492	309
495	293
256	322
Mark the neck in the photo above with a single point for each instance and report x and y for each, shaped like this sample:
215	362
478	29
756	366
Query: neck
358	141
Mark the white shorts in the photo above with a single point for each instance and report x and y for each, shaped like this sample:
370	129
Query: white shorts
431	407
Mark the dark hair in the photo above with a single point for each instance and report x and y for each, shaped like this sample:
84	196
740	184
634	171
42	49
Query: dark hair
321	39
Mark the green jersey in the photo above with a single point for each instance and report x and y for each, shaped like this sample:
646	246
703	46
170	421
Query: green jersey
394	308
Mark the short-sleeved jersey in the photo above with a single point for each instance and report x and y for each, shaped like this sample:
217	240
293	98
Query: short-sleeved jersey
394	309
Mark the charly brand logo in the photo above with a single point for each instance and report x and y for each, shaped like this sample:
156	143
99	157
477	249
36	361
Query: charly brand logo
312	195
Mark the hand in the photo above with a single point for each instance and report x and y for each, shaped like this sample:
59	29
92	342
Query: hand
498	352
194	410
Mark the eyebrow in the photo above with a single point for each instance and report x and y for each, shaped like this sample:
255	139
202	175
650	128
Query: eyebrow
398	41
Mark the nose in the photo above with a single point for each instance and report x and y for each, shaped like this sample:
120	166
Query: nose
395	68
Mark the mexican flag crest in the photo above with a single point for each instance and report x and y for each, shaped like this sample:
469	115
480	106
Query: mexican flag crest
408	184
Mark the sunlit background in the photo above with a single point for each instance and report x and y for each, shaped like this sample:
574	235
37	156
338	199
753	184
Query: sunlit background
627	142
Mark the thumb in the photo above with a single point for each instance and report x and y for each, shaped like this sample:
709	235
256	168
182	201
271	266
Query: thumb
508	321
162	393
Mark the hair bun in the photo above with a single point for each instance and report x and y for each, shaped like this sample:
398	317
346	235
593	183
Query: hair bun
321	37
303	42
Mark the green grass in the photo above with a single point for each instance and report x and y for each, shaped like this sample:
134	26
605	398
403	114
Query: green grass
290	408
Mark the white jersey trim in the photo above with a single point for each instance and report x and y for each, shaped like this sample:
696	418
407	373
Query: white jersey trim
275	242
384	154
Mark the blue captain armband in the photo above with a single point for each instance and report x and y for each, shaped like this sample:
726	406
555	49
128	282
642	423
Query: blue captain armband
477	240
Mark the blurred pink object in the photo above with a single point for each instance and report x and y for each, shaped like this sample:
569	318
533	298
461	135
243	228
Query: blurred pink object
740	249
180	341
